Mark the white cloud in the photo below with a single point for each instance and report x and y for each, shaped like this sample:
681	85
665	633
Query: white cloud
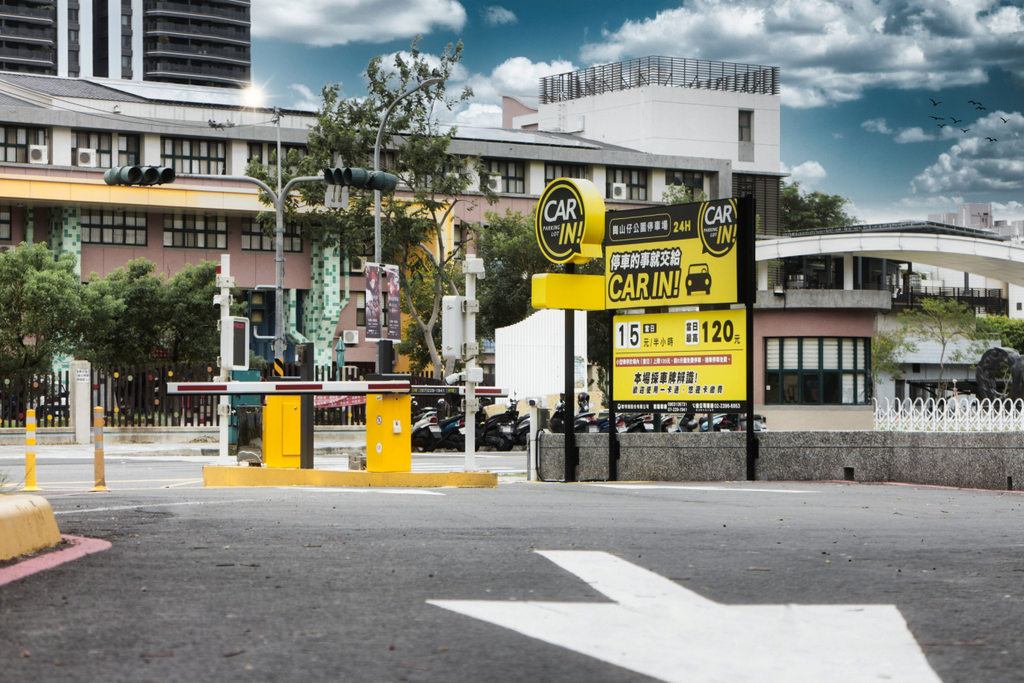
495	15
809	174
832	51
477	114
339	22
306	100
901	136
515	76
915	134
976	164
876	126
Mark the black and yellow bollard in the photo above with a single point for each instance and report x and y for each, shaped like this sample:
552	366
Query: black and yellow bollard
99	473
30	452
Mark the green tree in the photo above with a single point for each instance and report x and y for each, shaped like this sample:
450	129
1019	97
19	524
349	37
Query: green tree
812	211
887	350
414	228
681	194
509	249
1009	330
942	321
39	319
190	331
126	315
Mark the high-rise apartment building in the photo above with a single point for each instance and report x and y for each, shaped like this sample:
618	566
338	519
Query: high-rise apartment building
194	42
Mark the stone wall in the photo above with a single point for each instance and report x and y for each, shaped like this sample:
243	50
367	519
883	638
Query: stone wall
991	460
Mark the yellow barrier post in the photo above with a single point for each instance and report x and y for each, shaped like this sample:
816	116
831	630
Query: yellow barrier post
30	451
97	436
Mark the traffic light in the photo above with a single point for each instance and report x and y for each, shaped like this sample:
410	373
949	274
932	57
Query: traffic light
360	177
139	175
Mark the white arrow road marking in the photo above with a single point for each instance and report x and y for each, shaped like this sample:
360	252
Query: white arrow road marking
658	628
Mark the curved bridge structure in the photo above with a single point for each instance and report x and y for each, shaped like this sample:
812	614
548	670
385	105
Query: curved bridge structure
954	248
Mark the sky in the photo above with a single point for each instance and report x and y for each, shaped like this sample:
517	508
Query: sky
876	94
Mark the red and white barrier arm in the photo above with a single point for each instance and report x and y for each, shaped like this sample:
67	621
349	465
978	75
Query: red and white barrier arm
440	389
290	388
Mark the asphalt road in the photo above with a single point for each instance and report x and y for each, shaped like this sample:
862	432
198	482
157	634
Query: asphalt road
349	584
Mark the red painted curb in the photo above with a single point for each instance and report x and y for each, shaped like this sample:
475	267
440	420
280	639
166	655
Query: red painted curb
82	546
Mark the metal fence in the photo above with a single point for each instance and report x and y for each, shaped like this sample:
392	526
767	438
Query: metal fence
46	394
668	71
958	414
137	396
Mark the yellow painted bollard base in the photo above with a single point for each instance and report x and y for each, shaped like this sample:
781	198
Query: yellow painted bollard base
218	476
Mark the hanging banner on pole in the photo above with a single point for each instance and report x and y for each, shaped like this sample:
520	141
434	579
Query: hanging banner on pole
394	332
373	302
679	362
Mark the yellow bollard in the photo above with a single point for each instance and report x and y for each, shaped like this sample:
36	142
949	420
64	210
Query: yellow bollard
30	452
97	436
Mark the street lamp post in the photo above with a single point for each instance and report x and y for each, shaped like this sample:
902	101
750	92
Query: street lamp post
384	360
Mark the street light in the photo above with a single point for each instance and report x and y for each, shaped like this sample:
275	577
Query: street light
384	345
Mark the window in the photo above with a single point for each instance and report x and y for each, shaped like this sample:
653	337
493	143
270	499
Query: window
817	370
127	150
255	152
746	126
635	180
73	35
5	223
86	139
73	16
552	171
361	309
196	231
692	180
195	155
254	239
101	226
14	142
512	173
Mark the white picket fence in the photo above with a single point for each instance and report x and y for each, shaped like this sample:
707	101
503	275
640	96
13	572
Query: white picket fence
959	414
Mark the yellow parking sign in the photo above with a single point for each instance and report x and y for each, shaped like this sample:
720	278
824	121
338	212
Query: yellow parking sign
675	362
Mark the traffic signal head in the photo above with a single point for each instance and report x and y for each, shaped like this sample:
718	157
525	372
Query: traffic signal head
360	177
139	175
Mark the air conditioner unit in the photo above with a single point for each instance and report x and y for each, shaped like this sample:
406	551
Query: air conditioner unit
619	191
350	336
38	154
358	264
495	182
86	157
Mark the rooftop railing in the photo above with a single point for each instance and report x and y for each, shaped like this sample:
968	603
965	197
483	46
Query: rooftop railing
669	71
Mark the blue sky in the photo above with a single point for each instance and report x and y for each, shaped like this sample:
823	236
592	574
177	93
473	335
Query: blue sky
858	76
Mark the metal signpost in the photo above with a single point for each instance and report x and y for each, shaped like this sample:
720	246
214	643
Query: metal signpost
692	255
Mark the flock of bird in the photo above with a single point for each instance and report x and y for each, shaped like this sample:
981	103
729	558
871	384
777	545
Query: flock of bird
978	106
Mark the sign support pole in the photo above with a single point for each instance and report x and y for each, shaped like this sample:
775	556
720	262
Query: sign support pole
613	432
225	282
569	402
748	290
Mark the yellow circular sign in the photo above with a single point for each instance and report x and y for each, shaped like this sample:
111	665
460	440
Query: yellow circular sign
570	221
717	225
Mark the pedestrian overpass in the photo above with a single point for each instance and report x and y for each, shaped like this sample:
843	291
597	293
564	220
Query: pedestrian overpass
968	250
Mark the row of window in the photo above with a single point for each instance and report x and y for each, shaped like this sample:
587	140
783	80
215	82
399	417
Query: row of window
209	156
817	370
130	228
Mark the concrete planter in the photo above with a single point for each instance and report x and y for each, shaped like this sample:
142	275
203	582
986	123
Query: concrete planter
990	460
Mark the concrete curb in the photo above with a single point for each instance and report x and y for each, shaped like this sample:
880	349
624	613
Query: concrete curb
27	524
216	476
